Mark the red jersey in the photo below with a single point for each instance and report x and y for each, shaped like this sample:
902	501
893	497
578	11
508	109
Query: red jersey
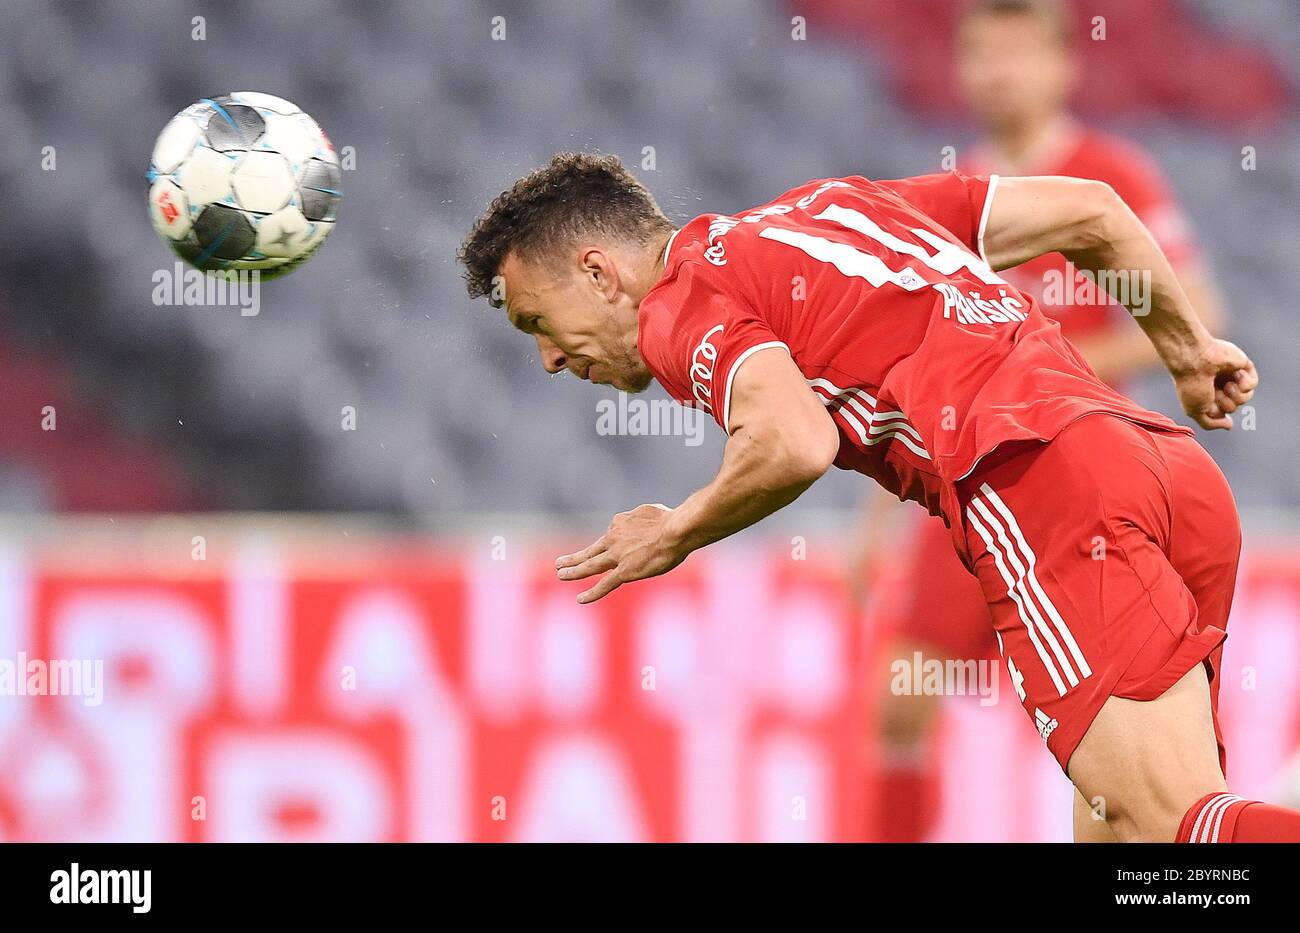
1079	152
925	357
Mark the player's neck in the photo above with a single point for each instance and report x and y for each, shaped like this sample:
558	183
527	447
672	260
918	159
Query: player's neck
1021	147
661	252
650	271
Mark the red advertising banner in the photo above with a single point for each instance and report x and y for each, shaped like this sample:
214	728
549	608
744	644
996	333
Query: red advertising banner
408	695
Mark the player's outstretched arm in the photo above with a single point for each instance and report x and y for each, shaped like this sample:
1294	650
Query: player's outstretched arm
1092	227
781	441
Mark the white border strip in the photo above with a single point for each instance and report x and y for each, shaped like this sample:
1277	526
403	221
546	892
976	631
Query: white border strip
731	377
669	245
984	216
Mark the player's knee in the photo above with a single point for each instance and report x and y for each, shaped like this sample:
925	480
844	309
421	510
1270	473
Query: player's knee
1155	818
905	719
1145	827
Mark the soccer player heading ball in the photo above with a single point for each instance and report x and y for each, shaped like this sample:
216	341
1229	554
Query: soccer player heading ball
1017	66
863	324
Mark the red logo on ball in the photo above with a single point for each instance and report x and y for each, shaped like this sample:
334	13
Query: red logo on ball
167	208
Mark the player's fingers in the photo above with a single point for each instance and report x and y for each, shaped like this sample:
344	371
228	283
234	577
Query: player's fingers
1224	402
1215	421
1244	376
1235	392
577	557
608	584
592	565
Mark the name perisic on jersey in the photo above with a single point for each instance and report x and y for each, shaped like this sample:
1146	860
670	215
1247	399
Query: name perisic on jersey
973	308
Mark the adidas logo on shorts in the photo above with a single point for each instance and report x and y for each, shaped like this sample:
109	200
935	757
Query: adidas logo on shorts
1046	725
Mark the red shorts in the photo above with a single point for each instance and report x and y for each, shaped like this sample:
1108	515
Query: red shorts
1108	558
943	606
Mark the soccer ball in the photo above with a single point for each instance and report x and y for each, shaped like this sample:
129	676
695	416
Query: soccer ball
244	181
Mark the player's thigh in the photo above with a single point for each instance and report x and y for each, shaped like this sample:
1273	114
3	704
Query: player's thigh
906	715
942	617
1070	542
1147	761
1090	821
1030	553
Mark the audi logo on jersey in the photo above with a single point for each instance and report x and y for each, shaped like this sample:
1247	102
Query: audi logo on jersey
703	358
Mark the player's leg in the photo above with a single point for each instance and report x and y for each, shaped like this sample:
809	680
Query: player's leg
1069	540
1155	763
1148	761
1090	821
1109	648
907	719
1151	753
909	780
943	617
1203	548
1154	752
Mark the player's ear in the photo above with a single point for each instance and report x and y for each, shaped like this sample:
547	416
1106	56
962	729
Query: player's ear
598	266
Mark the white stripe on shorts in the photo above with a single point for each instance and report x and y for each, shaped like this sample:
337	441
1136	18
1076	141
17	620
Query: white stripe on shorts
1011	552
1013	590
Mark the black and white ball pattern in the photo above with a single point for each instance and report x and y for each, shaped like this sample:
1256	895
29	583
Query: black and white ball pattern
244	181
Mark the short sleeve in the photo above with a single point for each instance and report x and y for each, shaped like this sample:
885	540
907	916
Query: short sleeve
695	333
956	201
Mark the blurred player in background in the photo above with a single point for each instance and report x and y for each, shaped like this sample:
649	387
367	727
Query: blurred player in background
1017	70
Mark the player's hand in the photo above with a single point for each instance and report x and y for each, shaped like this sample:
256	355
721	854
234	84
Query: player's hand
635	547
1213	384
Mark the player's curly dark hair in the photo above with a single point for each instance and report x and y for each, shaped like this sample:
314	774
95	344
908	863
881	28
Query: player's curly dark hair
574	195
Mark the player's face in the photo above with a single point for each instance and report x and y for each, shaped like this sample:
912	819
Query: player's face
1012	69
578	324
